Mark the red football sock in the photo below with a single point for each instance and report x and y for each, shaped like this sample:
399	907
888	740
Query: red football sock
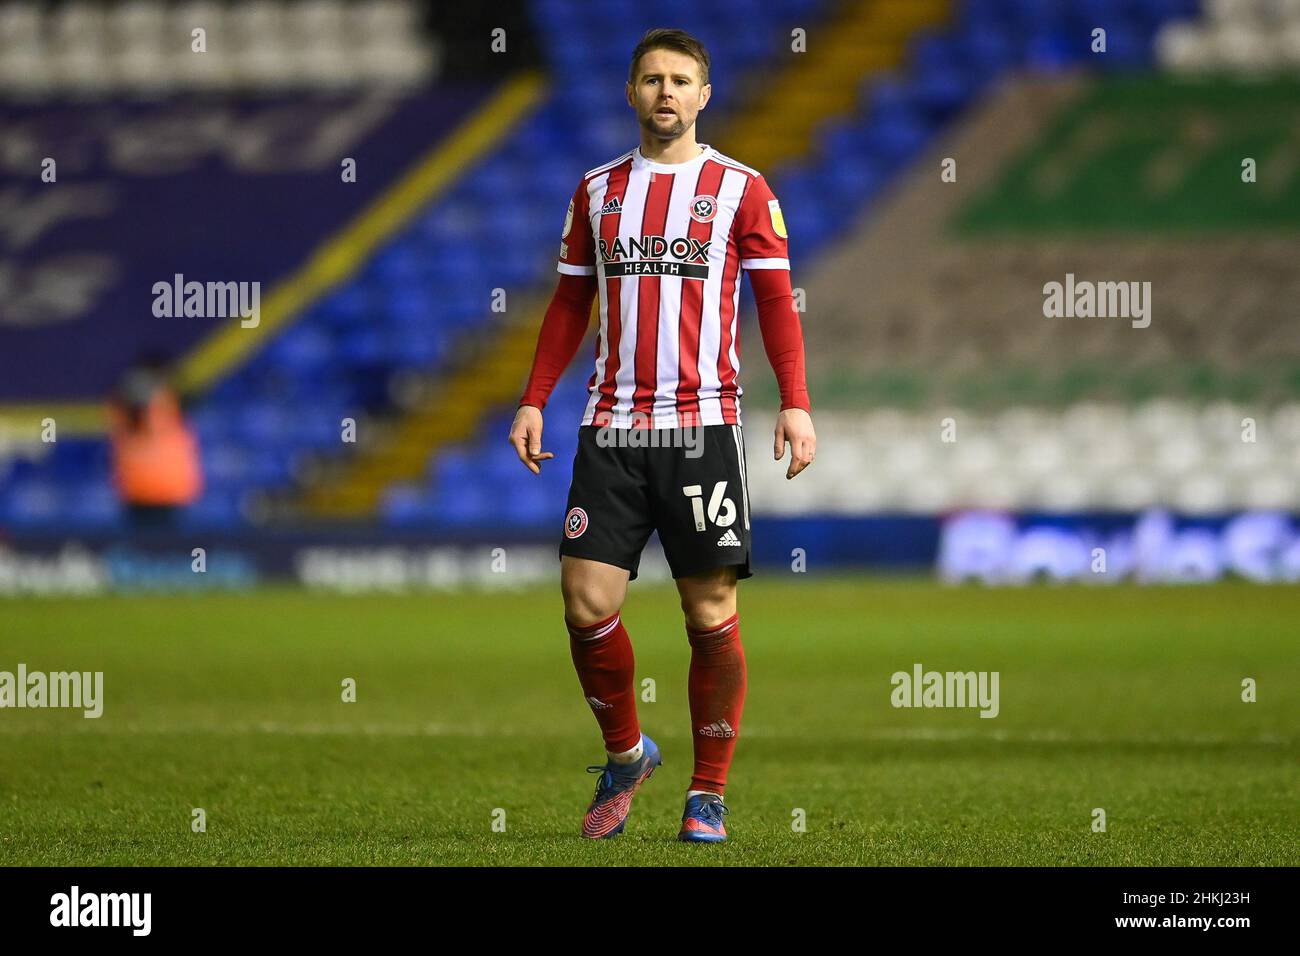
717	692
602	655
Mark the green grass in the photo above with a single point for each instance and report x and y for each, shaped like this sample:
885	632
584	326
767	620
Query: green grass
1123	698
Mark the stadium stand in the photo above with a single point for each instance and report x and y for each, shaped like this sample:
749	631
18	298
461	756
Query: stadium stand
89	50
922	304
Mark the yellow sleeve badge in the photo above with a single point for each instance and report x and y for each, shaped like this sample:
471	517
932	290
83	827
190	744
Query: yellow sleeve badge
778	220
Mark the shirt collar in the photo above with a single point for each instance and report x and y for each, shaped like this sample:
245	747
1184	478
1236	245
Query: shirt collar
641	162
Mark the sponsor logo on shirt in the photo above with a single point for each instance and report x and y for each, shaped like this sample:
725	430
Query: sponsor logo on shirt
656	255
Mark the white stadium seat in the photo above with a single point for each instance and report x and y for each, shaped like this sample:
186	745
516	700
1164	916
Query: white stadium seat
1094	456
144	46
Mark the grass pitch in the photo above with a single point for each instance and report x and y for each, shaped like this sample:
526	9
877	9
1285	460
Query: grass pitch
1126	699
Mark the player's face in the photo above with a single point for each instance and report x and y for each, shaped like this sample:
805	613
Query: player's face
667	93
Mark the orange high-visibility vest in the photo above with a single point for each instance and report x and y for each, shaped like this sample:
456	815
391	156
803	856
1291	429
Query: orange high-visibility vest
158	462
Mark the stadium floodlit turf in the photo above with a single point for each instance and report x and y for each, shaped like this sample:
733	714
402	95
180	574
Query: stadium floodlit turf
468	712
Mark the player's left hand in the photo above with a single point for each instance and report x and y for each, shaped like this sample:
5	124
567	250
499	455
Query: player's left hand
795	426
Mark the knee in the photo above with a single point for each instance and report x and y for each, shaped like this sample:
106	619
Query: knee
585	604
709	609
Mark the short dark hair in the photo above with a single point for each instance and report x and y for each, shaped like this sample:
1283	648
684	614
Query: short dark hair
669	39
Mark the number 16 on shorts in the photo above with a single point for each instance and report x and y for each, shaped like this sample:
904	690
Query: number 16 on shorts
721	510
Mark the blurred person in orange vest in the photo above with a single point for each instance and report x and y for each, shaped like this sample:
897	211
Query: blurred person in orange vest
156	467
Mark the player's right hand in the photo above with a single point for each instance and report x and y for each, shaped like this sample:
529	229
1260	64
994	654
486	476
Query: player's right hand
526	436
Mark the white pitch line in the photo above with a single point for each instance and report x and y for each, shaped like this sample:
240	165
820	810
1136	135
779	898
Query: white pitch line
899	734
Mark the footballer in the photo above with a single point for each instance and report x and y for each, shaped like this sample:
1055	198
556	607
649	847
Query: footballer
661	234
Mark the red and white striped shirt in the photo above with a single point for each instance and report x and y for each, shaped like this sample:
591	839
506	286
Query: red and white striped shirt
666	243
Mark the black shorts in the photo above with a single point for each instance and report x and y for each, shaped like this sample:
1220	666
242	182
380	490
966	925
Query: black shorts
686	483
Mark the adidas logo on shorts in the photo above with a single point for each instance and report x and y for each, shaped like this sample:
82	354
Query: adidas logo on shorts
729	540
598	704
719	728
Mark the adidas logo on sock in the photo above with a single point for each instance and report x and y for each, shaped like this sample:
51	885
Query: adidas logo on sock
729	540
598	704
614	205
719	728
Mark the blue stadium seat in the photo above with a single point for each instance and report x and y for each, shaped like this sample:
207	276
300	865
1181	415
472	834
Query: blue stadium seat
942	93
92	504
1127	48
469	504
843	137
987	50
32	503
219	507
1038	12
73	459
21	470
896	140
455	466
854	180
530	503
932	50
1053	50
404	504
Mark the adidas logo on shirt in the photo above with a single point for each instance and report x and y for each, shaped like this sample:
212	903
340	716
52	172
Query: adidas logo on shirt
729	540
614	205
719	728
